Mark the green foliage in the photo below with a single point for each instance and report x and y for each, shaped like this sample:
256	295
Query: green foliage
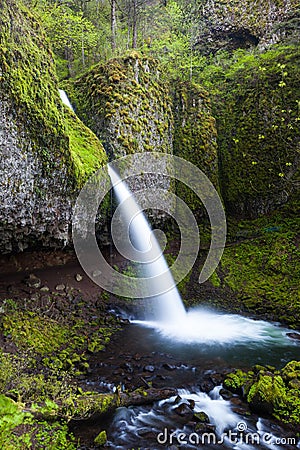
73	37
11	414
41	435
173	42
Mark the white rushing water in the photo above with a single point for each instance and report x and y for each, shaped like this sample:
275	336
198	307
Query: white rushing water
173	321
170	306
64	98
200	326
164	427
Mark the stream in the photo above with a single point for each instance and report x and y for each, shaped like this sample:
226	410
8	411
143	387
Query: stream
144	354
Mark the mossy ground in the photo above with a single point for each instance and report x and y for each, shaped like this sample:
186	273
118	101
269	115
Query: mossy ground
259	270
45	346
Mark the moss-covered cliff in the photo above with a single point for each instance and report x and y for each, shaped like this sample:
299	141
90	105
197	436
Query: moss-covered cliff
46	152
195	135
256	105
127	105
231	24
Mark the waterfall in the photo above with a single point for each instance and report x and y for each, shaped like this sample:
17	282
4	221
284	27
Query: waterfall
168	304
64	99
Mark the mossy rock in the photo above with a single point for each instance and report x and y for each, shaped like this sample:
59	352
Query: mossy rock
230	24
270	391
113	98
101	438
46	152
267	394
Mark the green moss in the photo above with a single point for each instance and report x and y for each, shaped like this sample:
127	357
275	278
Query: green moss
30	331
262	270
236	381
28	77
215	280
29	84
108	110
255	104
101	438
270	391
86	152
194	136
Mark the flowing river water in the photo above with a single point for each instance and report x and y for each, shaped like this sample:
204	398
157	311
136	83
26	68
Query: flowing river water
144	354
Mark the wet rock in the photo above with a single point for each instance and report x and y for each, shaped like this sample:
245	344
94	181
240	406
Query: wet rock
44	289
60	287
201	417
227	395
206	386
33	281
184	410
216	379
148	435
201	427
169	366
177	400
294	336
78	277
240	411
235	401
149	369
191	403
12	289
128	367
161	377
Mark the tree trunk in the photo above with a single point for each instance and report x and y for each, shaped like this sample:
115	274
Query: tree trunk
82	50
134	24
113	25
